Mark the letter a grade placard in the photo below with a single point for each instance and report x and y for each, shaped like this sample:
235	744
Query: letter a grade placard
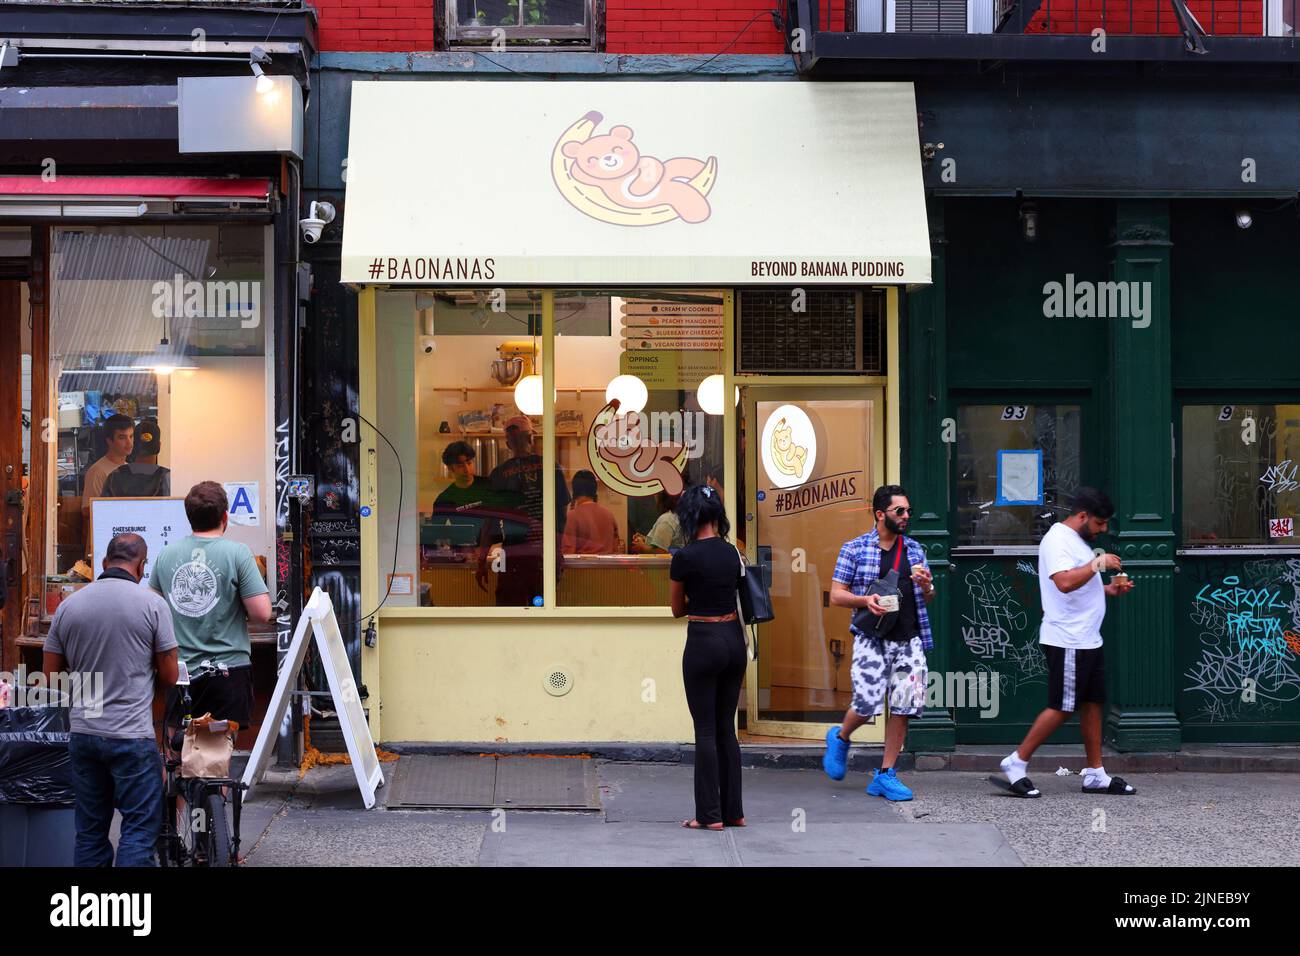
318	614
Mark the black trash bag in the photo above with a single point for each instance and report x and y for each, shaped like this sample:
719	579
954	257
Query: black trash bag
35	766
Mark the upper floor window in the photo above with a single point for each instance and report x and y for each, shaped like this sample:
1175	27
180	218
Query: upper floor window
476	23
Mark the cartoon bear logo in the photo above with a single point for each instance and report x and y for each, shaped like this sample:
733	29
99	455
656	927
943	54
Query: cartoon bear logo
608	178
630	463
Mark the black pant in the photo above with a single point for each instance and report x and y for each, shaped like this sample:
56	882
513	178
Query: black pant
713	665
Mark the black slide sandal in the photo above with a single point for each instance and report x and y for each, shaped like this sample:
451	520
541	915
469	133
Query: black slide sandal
1021	788
1118	786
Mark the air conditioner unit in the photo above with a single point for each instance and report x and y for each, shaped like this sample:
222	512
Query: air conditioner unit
926	16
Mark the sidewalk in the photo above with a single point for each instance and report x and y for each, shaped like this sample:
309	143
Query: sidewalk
796	818
1193	758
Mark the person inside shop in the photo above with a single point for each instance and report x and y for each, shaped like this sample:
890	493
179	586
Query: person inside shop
591	528
142	476
467	489
119	436
517	482
666	533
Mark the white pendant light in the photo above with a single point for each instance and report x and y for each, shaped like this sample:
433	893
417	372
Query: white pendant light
710	395
630	391
528	395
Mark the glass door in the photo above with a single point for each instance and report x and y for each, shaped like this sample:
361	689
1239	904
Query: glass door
812	456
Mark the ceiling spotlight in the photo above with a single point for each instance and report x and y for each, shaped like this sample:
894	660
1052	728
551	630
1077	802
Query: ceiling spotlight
1244	219
256	58
1029	221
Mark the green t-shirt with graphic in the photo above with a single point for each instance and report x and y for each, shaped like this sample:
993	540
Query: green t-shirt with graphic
205	581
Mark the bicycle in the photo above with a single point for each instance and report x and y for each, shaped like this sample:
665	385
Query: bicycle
196	830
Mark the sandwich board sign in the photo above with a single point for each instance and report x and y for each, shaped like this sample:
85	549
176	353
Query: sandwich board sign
318	615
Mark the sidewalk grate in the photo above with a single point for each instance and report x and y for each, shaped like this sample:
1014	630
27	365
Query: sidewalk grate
480	783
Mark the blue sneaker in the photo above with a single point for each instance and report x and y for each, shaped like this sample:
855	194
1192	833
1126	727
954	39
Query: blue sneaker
886	784
837	755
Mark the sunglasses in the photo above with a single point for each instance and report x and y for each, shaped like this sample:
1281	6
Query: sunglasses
898	512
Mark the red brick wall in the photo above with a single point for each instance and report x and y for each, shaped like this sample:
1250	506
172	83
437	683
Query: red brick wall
698	26
631	26
1218	17
392	26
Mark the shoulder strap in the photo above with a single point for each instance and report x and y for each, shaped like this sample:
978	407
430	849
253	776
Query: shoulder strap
742	560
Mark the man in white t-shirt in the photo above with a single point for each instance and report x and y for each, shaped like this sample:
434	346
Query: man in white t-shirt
1074	605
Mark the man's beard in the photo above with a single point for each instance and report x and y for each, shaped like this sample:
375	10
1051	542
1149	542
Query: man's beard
893	525
1086	533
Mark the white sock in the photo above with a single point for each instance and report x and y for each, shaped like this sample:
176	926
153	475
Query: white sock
1096	777
1014	767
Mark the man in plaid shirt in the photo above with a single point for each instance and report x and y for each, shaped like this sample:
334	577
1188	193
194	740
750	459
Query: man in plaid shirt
891	658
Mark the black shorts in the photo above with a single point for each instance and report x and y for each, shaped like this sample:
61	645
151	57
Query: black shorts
1074	676
225	698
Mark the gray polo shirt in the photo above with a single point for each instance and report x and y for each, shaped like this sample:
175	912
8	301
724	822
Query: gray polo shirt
109	632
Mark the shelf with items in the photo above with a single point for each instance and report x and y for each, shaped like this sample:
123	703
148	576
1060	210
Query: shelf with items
454	436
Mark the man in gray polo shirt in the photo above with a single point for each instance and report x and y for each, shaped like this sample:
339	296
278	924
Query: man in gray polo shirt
118	636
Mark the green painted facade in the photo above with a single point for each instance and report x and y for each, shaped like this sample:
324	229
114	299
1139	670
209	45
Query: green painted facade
1205	648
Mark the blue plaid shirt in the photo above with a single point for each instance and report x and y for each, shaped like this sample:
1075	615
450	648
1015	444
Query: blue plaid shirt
859	564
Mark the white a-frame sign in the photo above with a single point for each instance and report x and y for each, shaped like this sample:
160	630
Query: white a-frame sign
319	615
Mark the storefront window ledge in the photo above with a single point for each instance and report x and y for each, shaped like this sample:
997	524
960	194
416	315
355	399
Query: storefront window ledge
523	613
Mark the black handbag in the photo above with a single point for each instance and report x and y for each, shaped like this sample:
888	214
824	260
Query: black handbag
755	602
870	624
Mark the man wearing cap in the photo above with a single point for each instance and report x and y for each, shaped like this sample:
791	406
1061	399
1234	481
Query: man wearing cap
142	476
519	480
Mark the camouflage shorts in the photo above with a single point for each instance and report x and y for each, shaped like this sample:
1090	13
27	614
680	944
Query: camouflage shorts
895	666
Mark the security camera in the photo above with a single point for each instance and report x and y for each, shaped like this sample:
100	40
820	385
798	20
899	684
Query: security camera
427	344
320	215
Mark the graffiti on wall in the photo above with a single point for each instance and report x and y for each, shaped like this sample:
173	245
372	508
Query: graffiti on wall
998	631
1248	629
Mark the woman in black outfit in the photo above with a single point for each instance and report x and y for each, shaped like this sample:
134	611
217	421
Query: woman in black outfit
705	575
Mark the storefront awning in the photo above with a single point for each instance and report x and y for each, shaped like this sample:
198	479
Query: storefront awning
634	183
121	197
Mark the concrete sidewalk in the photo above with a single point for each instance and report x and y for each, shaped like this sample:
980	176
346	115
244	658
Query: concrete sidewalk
1192	758
796	818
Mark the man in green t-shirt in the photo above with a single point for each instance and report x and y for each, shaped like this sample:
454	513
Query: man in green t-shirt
213	588
467	490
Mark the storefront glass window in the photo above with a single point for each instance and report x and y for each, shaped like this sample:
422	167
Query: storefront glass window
1240	474
159	380
1016	465
631	433
461	398
456	365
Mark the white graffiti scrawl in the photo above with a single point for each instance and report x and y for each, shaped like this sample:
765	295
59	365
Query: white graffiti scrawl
1249	631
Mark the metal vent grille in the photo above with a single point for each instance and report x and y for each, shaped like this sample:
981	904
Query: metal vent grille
839	331
557	681
930	16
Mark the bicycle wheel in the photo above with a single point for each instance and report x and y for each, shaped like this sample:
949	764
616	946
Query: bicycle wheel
220	849
191	827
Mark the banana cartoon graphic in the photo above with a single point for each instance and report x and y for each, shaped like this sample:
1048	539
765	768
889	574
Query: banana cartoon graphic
788	457
629	465
641	182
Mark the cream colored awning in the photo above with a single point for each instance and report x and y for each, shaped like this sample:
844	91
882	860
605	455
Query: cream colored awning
481	183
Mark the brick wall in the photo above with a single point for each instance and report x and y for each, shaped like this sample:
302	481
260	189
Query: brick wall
631	26
391	26
1148	17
